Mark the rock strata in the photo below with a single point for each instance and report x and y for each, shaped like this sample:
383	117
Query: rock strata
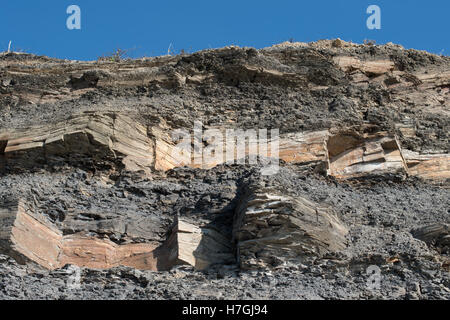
272	228
27	239
91	150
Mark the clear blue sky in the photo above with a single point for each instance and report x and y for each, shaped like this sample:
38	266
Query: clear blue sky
148	27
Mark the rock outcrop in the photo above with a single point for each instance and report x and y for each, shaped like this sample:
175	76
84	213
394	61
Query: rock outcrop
199	247
29	239
26	238
103	137
107	138
351	155
437	235
128	169
428	166
272	228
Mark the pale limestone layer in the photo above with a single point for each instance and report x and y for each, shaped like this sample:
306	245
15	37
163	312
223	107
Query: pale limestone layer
28	239
352	155
102	136
370	68
110	137
199	247
428	166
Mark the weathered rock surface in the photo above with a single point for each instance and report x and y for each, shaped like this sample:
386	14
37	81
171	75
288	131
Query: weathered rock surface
437	235
272	228
351	155
106	136
27	239
88	148
200	247
428	166
30	240
368	68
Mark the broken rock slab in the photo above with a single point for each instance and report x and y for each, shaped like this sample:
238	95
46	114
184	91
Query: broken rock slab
27	238
355	155
198	247
271	228
436	235
428	166
105	137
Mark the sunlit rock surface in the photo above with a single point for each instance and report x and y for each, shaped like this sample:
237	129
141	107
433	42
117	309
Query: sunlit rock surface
93	178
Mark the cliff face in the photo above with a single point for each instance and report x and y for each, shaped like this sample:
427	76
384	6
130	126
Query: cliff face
91	175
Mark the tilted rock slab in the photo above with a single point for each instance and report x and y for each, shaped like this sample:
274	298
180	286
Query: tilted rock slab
437	235
25	238
271	228
102	136
28	239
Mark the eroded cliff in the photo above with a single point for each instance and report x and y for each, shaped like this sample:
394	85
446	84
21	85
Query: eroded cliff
91	175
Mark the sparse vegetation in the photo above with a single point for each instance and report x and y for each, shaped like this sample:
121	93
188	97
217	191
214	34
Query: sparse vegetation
117	56
170	50
369	42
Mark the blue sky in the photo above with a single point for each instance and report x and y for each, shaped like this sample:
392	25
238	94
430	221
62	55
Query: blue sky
147	27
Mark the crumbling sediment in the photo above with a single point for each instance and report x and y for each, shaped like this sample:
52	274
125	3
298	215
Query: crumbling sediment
90	173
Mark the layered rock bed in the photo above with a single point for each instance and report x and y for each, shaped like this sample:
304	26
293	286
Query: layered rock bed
97	202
